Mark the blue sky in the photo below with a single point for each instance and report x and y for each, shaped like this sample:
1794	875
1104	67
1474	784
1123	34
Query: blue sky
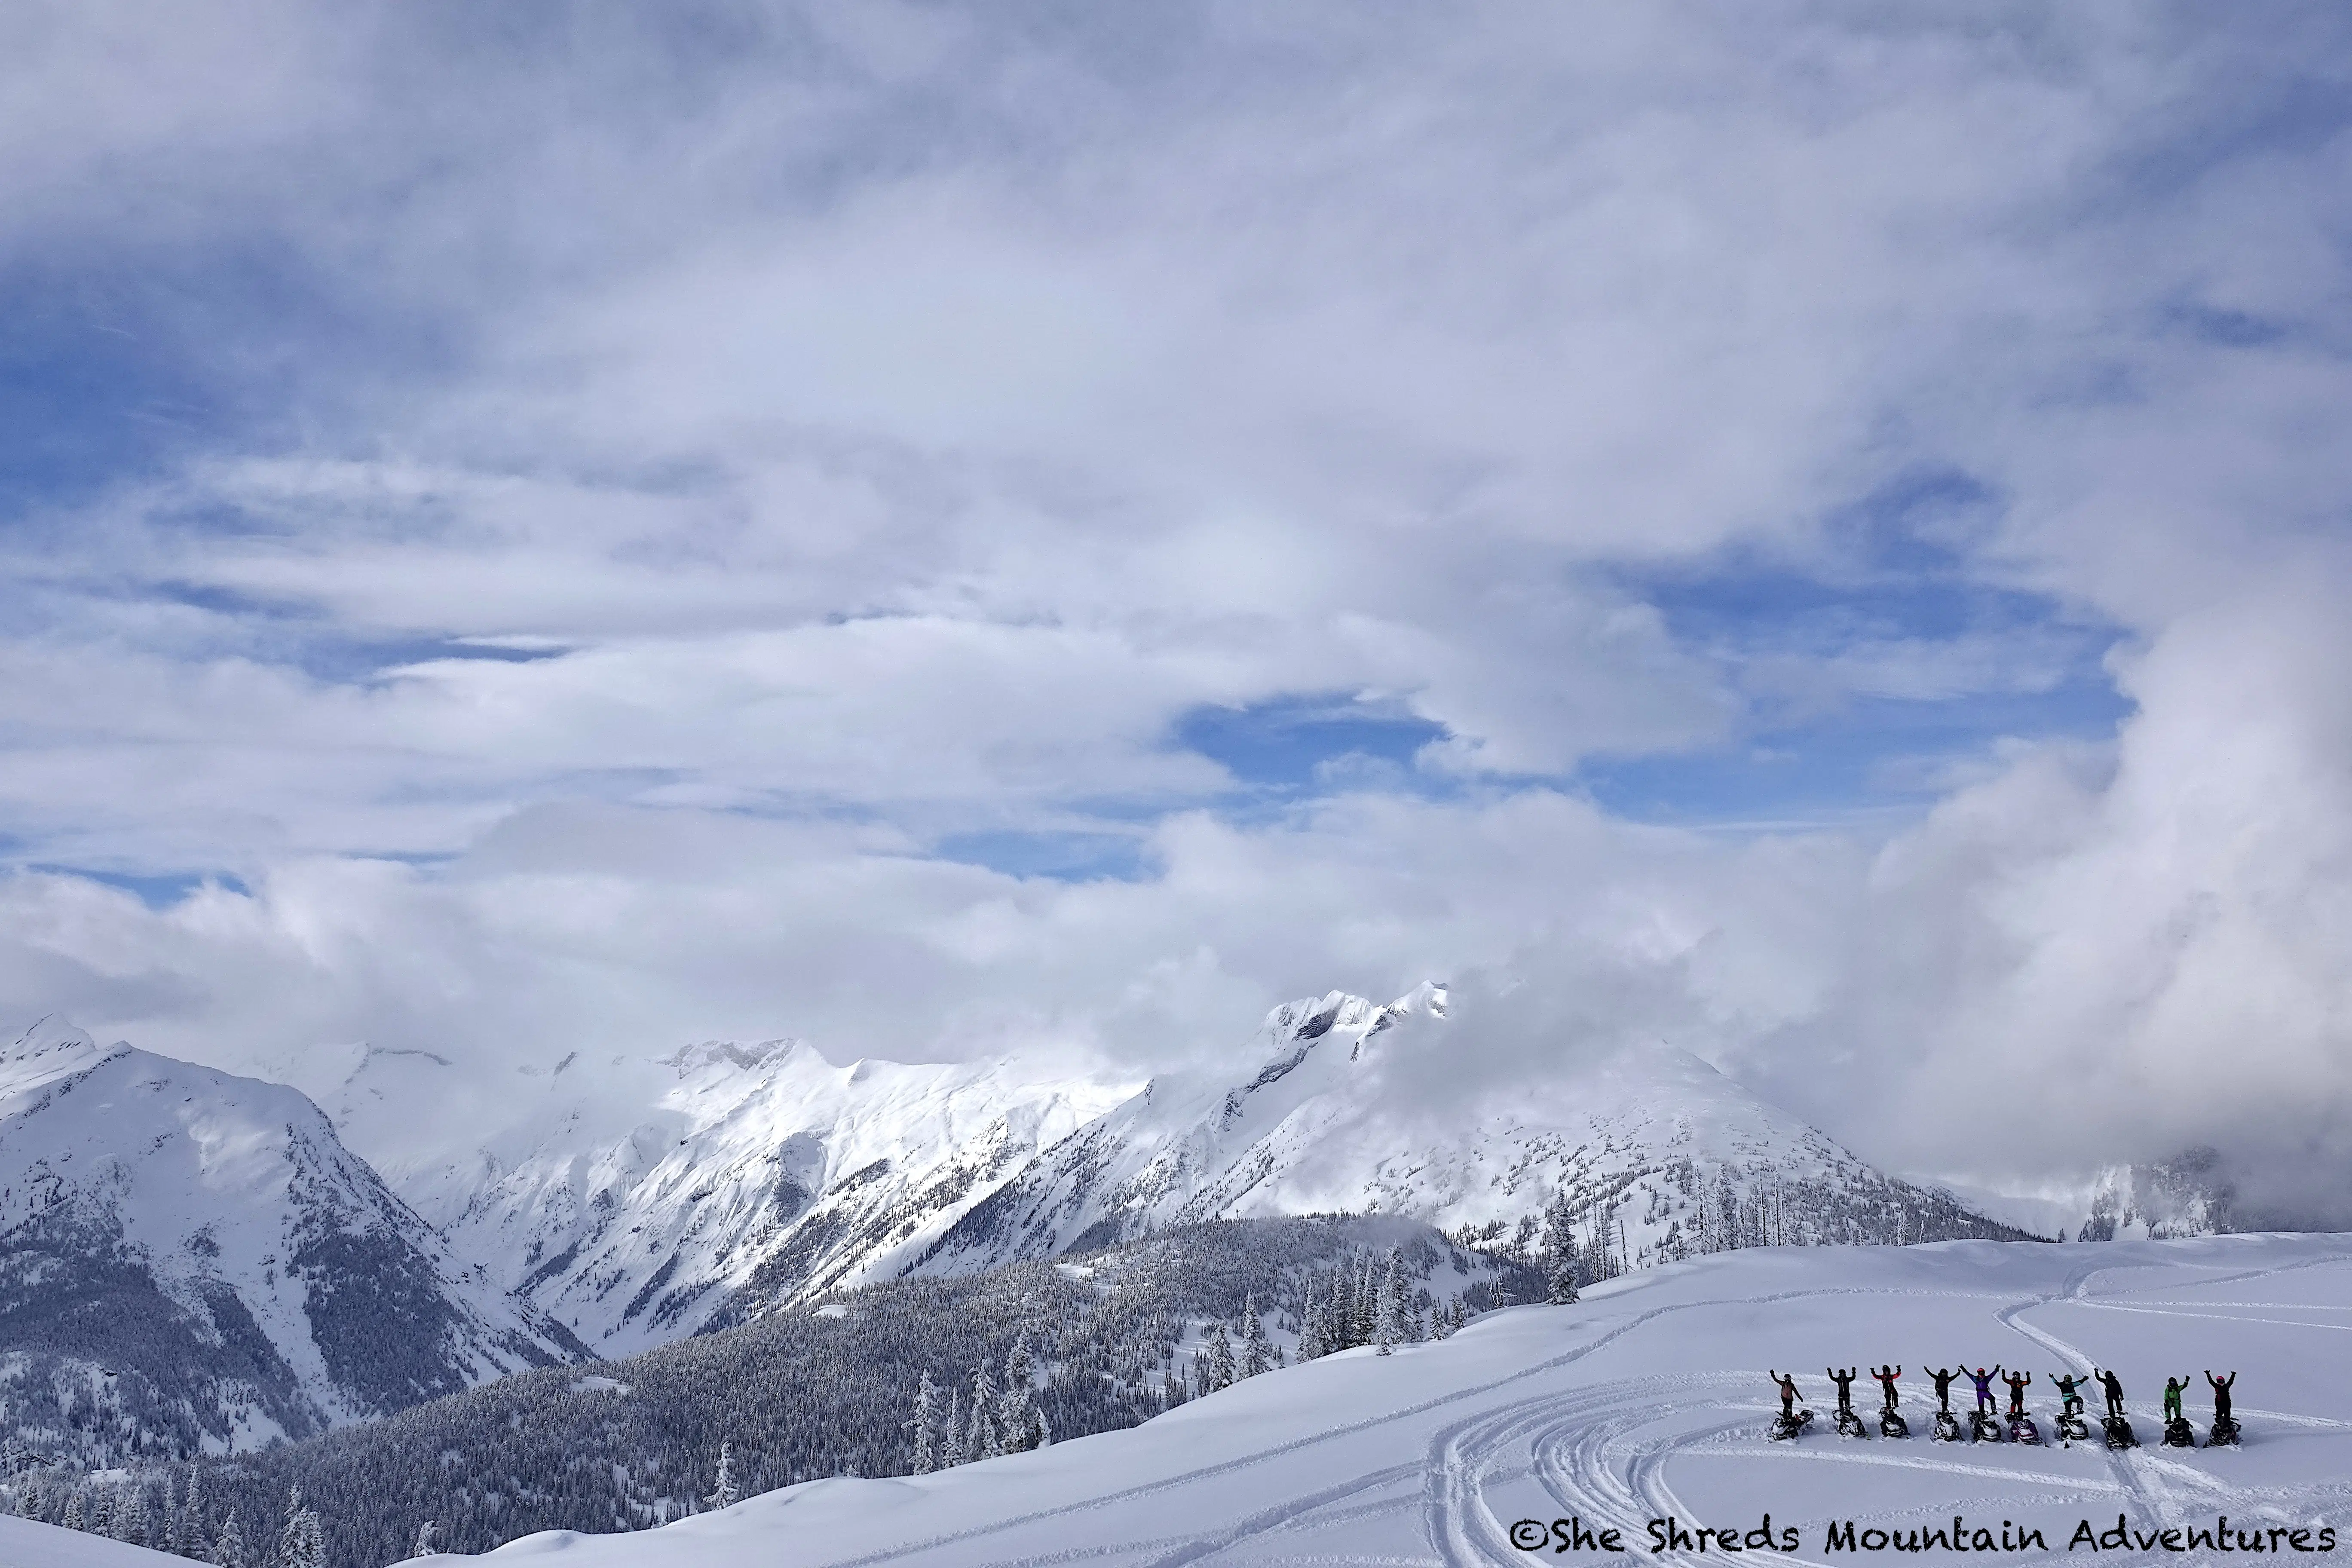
930	527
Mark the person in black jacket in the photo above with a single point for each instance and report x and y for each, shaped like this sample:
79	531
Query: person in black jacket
1944	1385
1845	1380
2221	1395
2114	1387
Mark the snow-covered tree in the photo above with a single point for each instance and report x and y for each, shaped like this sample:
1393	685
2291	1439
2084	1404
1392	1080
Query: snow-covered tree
1253	1352
1216	1360
194	1538
1016	1407
1310	1327
925	1395
951	1452
228	1546
981	1441
1390	1311
77	1516
724	1493
302	1540
424	1547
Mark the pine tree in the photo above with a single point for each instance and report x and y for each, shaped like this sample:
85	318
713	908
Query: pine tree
1392	1302
166	1527
130	1515
926	1394
1253	1357
724	1495
1311	1329
228	1547
1217	1361
424	1547
1016	1409
951	1452
1560	1242
302	1541
77	1517
195	1530
980	1442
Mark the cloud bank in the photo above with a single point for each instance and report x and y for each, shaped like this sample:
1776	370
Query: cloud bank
1819	537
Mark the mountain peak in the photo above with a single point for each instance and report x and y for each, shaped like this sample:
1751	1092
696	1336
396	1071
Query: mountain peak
727	1056
52	1034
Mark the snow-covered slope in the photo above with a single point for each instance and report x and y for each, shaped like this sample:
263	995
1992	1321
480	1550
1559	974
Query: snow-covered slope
29	1543
1345	1105
1649	1401
759	1175
190	1257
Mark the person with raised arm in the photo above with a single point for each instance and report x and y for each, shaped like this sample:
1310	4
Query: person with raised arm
1944	1385
1983	1380
1844	1381
1886	1376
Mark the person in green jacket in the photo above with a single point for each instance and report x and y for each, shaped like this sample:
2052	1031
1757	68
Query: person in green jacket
2173	1388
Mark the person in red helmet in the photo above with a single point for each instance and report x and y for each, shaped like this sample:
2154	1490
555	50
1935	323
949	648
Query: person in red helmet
1886	1376
2221	1395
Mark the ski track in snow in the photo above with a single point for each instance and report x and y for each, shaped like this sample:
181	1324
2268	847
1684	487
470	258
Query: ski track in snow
1616	1451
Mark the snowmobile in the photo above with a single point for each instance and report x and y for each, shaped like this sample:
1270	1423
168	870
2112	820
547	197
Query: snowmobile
1983	1428
2119	1432
2224	1434
1785	1426
1892	1425
2021	1429
1947	1427
2179	1433
2072	1429
1849	1425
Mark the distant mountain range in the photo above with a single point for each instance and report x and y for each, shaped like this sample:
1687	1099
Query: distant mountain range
191	1258
1349	1108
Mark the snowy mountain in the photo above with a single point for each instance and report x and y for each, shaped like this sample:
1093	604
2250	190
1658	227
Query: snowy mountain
1648	1402
638	1200
758	1175
190	1259
1350	1106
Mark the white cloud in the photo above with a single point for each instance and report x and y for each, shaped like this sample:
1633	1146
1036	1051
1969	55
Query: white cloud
890	427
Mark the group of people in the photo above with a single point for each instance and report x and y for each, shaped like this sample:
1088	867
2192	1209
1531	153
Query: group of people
2068	1387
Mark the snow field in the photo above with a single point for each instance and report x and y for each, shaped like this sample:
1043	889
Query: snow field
1650	1400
